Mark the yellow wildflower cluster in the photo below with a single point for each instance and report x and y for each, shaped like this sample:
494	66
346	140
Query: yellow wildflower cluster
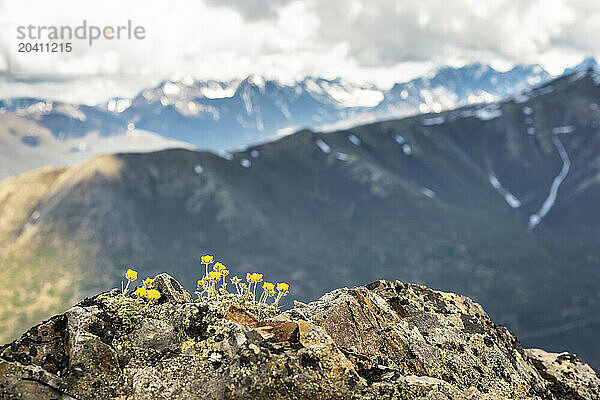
142	292
130	308
207	286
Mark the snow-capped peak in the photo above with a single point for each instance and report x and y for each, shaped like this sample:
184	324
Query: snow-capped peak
587	63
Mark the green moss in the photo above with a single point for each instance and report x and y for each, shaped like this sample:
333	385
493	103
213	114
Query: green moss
127	308
261	310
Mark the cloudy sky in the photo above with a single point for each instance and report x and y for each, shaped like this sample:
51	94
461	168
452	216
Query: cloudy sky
379	41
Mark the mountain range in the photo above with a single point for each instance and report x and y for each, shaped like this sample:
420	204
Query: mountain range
496	201
221	116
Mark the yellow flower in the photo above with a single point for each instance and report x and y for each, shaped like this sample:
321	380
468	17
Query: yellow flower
235	280
268	286
249	277
207	259
242	285
201	283
225	272
153	294
219	266
141	292
283	287
214	275
256	277
131	275
148	282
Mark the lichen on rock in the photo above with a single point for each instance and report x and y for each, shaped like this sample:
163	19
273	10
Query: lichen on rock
386	340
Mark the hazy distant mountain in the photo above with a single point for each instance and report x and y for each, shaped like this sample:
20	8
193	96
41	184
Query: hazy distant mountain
451	87
496	201
222	116
35	133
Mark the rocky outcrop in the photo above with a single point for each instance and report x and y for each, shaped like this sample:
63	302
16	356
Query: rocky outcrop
387	340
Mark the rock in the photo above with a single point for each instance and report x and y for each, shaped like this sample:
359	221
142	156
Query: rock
240	315
386	340
171	290
156	334
573	378
29	382
273	329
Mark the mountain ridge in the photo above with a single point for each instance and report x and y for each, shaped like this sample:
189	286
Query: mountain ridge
222	116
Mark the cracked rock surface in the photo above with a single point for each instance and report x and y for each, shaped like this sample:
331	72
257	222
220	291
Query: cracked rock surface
386	340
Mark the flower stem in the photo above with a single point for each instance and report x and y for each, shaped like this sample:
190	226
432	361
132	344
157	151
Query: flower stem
126	287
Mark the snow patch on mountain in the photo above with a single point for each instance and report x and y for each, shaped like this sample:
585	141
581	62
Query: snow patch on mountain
285	111
495	182
226	155
118	105
286	131
354	97
557	130
428	192
542	91
511	199
247	102
344	93
520	98
481	97
39	107
171	89
488	113
433	121
536	218
341	156
399	139
325	148
354	140
214	90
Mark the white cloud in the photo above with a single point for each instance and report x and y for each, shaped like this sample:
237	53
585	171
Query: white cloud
382	41
388	32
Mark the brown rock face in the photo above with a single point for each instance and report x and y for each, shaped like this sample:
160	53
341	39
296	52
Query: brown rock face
387	340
